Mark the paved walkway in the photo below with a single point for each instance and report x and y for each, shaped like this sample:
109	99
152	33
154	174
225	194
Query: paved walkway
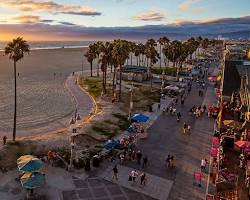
156	187
166	137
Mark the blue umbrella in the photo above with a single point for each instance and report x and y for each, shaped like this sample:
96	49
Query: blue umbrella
29	164
112	144
32	180
140	118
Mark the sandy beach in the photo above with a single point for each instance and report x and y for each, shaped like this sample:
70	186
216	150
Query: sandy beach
42	96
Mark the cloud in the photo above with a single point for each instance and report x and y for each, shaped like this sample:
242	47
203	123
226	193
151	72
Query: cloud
197	10
185	5
67	23
239	27
150	16
49	6
27	19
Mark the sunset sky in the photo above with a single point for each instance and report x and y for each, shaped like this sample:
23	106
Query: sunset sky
31	18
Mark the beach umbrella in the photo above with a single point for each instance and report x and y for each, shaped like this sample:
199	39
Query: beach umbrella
32	180
112	144
242	144
29	163
140	118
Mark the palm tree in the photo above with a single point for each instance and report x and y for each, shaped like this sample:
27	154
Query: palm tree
120	54
99	46
162	41
16	50
152	55
91	55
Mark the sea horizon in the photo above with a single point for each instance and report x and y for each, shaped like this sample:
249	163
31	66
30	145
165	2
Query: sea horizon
38	45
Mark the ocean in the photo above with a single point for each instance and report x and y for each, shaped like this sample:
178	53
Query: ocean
52	44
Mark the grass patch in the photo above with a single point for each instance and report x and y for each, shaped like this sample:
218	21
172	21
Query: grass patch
93	85
12	151
104	129
170	71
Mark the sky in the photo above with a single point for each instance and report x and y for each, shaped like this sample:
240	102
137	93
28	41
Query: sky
31	18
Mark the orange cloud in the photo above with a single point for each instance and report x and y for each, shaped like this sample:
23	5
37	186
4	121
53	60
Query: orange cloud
27	19
150	16
185	5
49	6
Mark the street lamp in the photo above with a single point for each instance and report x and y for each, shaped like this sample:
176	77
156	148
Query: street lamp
73	125
131	98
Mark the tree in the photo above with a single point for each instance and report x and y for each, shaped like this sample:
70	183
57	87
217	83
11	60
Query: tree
16	50
163	41
152	55
91	55
99	46
120	54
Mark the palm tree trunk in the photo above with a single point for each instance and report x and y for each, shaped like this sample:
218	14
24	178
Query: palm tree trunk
113	85
91	69
15	102
151	76
97	72
120	84
160	56
103	81
131	59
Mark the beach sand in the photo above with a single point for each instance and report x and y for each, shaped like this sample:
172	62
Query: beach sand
43	100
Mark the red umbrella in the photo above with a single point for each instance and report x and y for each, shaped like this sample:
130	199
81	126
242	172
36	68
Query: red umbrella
242	144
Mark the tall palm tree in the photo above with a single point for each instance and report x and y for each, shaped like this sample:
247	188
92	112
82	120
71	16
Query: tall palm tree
99	46
91	55
162	41
16	50
120	54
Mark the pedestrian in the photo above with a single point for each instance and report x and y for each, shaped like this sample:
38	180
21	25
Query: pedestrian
134	175
184	127
168	160
203	164
171	162
122	158
4	140
115	173
204	108
182	101
138	157
159	106
189	128
133	155
176	101
145	161
129	154
247	181
178	116
143	178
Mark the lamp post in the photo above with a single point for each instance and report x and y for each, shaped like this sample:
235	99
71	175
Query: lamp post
131	98
73	125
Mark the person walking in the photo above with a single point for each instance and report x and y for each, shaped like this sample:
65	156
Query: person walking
122	158
178	116
134	175
145	161
138	157
182	101
115	173
4	140
185	126
168	161
143	178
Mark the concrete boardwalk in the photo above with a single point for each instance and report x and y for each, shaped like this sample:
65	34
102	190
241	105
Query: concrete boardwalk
156	187
166	137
